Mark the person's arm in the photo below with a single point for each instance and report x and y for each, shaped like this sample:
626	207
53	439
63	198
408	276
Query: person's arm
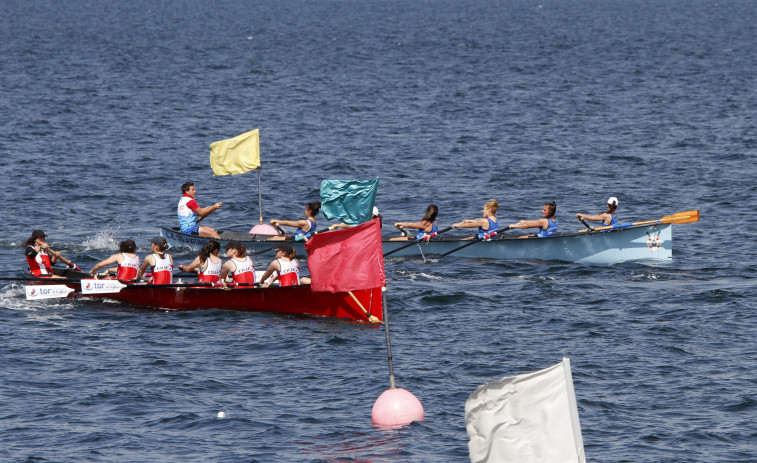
419	225
205	211
594	218
191	267
147	262
540	223
292	223
104	263
227	267
274	267
472	223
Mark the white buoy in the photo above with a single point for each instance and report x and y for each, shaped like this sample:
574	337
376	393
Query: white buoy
221	414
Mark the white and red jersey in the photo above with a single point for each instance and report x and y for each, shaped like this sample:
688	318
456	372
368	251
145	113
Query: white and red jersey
244	271
212	271
127	270
162	271
187	216
289	275
40	264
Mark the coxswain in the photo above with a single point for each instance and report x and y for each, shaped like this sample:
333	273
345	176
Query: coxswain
427	225
127	260
190	213
547	225
40	257
239	265
306	226
486	224
608	218
285	268
207	263
160	261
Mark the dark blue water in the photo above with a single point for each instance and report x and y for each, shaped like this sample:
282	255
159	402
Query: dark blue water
107	108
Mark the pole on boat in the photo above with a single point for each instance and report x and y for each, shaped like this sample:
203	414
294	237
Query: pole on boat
395	406
260	196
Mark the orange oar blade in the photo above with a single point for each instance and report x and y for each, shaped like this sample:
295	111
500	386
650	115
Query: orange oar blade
682	217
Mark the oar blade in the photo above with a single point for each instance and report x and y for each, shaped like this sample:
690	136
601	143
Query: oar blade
682	217
36	292
92	286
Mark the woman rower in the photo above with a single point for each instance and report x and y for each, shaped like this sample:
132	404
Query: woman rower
547	225
40	257
239	264
426	225
306	226
160	261
285	267
608	218
486	224
127	260
207	263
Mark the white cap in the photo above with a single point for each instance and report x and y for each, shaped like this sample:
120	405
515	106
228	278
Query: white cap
375	210
612	200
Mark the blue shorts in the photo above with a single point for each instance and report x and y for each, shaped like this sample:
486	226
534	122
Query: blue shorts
194	230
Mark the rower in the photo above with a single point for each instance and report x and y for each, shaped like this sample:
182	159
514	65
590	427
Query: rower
285	268
127	260
306	226
207	263
425	226
160	261
547	225
486	224
607	218
40	257
239	265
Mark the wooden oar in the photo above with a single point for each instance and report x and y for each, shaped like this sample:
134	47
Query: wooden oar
485	237
587	225
678	217
371	318
426	237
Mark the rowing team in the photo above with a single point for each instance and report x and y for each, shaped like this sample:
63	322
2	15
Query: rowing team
546	226
238	268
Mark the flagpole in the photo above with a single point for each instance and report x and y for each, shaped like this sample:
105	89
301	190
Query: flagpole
388	343
260	196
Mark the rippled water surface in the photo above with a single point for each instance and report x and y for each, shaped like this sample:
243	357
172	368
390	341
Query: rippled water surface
106	109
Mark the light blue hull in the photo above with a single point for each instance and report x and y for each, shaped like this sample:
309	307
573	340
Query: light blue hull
651	243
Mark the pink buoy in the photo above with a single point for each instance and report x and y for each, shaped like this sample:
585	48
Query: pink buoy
396	407
263	229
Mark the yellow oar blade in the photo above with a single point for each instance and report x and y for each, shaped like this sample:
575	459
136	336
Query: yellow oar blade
682	217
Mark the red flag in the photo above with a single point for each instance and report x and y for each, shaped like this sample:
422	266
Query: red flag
347	260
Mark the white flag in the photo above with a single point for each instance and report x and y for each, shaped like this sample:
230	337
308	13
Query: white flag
526	418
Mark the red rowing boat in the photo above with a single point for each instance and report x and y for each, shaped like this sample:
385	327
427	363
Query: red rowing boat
361	305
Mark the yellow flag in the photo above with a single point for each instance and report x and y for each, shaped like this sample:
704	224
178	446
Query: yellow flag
236	155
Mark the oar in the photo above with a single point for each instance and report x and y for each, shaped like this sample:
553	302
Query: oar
485	237
91	286
55	280
587	225
324	230
35	292
678	217
278	229
402	229
426	237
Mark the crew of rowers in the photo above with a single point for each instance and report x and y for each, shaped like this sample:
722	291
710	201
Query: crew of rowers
285	268
238	269
488	224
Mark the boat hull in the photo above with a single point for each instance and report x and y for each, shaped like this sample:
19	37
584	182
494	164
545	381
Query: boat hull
295	300
645	243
